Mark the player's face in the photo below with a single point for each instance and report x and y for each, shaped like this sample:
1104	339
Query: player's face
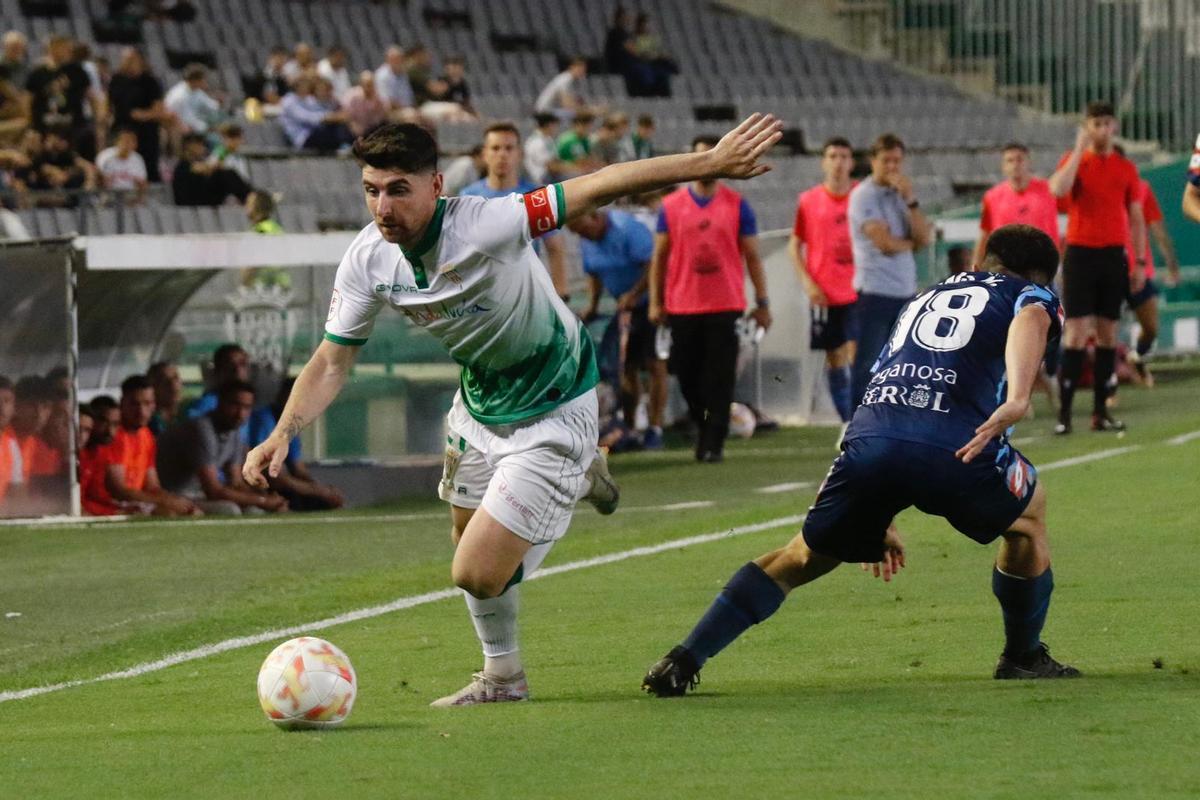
1015	164
401	203
1102	130
887	163
235	409
836	163
501	154
169	387
137	408
85	429
237	366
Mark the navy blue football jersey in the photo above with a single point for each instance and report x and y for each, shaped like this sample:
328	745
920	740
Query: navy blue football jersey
942	372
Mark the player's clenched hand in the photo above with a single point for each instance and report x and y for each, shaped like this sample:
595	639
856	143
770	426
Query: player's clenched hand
738	152
267	456
893	556
1007	415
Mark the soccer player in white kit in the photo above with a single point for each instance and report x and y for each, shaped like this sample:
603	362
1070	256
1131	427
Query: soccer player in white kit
523	425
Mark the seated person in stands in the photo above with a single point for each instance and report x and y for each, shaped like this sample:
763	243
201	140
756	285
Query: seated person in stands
34	397
12	472
310	123
58	167
198	182
168	395
228	154
190	102
365	108
201	459
295	482
122	476
122	168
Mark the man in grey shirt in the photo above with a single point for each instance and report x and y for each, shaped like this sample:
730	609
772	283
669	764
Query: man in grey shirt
886	226
201	459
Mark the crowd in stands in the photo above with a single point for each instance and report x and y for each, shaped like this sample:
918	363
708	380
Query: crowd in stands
148	452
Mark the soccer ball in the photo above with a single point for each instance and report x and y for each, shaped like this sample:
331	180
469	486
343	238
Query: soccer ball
741	421
307	683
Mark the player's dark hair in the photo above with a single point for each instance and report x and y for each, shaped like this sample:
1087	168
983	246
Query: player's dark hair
135	383
224	354
504	126
583	118
195	72
157	369
836	141
542	119
57	373
33	388
1100	108
86	411
645	121
1015	146
230	389
1022	250
102	403
400	146
885	142
706	139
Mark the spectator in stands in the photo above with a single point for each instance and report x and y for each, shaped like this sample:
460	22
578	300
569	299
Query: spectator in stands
227	154
12	470
136	97
575	146
611	144
168	395
260	213
97	98
189	100
886	228
309	122
14	58
561	96
57	433
60	168
618	43
616	251
418	65
502	157
201	459
20	175
333	69
643	137
455	80
706	232
106	415
1105	211
655	66
365	109
59	87
1021	197
824	260
34	398
542	163
295	482
122	169
464	171
391	80
301	64
271	84
14	113
198	182
129	482
230	362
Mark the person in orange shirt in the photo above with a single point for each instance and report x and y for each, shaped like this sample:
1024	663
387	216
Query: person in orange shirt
12	473
34	402
126	476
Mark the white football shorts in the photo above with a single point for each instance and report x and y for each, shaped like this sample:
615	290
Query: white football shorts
528	475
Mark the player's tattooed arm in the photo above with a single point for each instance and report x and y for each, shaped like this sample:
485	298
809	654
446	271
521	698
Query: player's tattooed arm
736	156
316	387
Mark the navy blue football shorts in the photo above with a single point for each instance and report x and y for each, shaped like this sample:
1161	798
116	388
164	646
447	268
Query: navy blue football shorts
876	478
831	327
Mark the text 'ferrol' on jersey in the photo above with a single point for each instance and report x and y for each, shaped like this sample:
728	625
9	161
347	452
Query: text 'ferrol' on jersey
942	372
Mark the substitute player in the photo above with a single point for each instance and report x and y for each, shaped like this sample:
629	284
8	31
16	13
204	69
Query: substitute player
824	259
1105	210
523	425
931	432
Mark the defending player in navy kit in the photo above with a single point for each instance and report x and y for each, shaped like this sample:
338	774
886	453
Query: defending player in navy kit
932	432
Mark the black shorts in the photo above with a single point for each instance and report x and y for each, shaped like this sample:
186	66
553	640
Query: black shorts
639	345
1138	299
1095	281
831	326
876	478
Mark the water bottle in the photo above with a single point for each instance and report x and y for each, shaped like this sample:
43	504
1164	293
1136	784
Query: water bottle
662	343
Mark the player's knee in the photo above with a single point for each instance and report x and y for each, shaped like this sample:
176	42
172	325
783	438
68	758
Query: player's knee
788	564
476	583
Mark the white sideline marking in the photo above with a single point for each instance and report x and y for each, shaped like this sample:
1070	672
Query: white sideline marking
776	488
204	651
1086	457
673	506
1184	439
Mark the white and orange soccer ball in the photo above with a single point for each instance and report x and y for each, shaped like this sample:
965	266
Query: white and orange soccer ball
307	683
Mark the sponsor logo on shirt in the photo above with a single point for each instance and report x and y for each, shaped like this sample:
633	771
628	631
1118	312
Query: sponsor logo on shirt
383	288
442	311
922	372
918	396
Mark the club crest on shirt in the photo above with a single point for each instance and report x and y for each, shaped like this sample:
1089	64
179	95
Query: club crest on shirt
919	396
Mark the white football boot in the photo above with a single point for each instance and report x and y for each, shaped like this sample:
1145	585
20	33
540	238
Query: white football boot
604	493
486	689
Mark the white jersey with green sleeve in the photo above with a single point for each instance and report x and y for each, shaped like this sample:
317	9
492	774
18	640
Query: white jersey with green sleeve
476	284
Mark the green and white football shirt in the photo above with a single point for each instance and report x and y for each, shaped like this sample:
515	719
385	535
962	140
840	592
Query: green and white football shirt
476	284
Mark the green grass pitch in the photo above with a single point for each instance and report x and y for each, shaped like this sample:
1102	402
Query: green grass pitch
855	688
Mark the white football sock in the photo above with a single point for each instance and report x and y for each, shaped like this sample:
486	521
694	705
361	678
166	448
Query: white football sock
495	620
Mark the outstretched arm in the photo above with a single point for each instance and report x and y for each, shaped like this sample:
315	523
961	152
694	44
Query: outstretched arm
1023	355
316	387
735	156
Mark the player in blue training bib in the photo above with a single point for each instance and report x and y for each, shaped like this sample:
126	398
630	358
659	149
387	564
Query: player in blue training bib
932	432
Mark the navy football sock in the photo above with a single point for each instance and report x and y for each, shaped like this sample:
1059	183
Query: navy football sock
1106	363
839	389
1024	603
1068	377
1144	346
750	597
